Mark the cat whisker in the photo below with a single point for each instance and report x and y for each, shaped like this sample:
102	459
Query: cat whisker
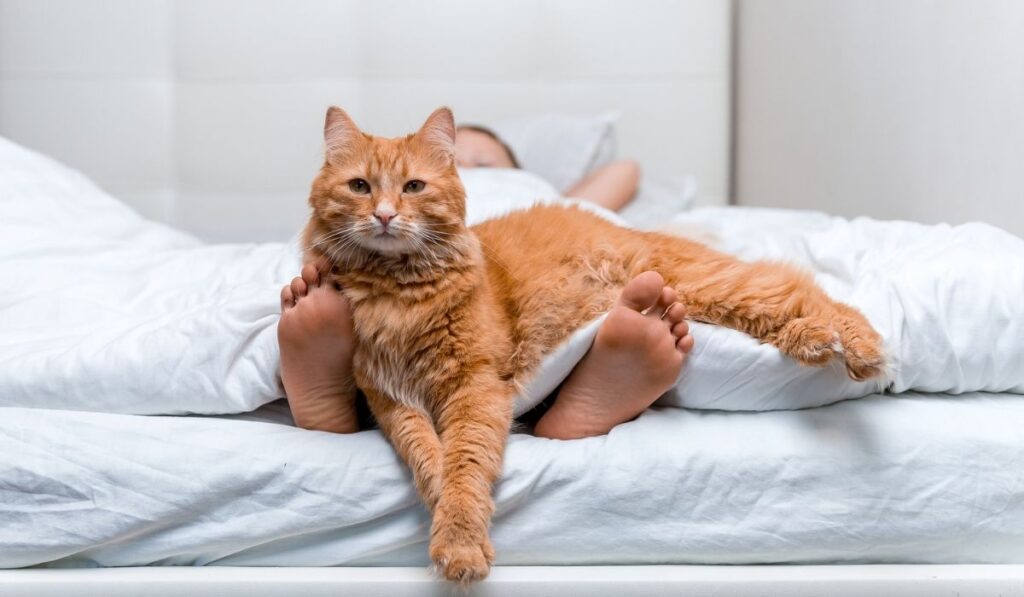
340	251
334	237
327	238
320	242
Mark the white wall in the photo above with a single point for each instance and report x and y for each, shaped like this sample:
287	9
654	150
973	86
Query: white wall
895	109
208	114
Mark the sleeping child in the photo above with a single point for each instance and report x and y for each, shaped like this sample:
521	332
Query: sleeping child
611	186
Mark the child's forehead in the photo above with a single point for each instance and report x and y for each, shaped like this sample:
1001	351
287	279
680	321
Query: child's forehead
475	136
476	142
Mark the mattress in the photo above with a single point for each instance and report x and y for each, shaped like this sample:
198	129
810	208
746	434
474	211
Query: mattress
887	479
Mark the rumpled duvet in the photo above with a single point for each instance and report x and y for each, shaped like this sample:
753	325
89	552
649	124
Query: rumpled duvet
106	311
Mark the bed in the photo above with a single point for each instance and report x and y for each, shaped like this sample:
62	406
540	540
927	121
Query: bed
110	462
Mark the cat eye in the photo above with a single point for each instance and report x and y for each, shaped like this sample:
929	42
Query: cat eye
414	186
358	185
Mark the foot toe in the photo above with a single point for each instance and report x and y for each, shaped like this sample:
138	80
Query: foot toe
299	288
674	315
680	328
642	292
310	275
323	265
666	297
685	344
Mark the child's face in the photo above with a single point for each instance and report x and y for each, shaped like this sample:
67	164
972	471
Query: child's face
474	149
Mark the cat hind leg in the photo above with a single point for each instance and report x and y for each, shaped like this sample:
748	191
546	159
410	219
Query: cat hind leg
861	346
809	340
773	302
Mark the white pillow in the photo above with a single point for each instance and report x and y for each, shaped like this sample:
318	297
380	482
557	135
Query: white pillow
561	148
658	200
492	192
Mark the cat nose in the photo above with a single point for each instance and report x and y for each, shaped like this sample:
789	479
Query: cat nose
384	213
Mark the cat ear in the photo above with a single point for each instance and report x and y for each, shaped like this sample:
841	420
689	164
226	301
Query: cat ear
340	132
439	132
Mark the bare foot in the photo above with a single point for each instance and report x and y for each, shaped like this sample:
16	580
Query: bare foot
635	358
315	336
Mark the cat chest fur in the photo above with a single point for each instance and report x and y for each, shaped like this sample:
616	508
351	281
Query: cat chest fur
409	353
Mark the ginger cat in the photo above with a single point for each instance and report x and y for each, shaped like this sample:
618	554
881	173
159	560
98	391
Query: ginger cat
449	319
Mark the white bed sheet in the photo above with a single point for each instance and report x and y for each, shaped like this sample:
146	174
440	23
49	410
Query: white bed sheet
909	479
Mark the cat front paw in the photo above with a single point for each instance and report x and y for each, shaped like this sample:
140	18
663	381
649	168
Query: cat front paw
463	560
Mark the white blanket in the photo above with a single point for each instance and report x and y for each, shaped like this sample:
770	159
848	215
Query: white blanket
887	479
949	302
108	312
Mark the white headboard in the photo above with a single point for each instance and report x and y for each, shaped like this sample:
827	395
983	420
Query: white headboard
208	114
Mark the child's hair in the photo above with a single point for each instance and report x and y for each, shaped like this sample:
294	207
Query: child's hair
486	131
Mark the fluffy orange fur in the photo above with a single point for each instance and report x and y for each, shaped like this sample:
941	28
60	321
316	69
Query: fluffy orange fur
448	319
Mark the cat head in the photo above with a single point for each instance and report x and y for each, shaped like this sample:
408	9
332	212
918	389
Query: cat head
390	196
